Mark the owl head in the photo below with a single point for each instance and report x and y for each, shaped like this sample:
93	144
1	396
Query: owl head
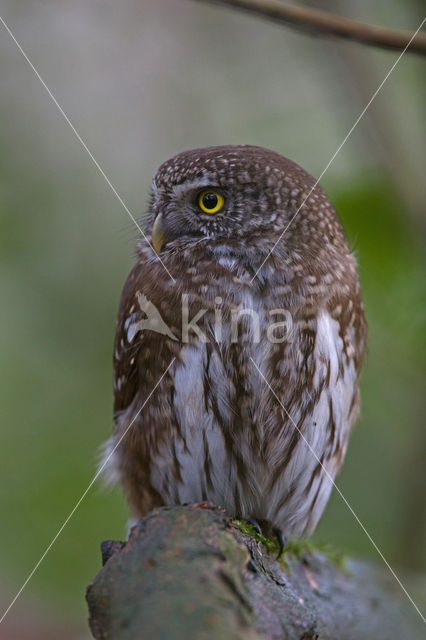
240	193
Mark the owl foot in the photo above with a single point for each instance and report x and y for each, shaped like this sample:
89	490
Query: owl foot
256	525
281	541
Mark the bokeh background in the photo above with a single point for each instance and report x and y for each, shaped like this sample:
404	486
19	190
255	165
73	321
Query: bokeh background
142	81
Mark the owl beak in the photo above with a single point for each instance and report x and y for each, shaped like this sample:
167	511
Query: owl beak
158	233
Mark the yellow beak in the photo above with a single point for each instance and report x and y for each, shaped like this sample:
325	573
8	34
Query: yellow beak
158	233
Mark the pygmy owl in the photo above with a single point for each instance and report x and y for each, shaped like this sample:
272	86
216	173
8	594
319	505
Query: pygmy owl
236	379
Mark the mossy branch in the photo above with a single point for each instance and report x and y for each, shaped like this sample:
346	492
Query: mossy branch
192	572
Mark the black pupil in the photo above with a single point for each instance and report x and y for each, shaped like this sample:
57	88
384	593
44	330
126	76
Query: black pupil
210	200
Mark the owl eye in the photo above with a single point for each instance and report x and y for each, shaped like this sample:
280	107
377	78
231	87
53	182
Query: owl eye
210	201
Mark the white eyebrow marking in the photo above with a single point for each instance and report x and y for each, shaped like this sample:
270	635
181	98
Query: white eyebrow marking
206	181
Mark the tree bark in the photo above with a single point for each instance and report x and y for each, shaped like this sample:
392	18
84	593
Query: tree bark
189	572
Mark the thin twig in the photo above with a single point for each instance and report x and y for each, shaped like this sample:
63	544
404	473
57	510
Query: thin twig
317	22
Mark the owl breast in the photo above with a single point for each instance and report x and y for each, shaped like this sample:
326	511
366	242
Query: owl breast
259	428
282	464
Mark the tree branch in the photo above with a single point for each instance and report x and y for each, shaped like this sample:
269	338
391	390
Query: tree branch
319	22
189	572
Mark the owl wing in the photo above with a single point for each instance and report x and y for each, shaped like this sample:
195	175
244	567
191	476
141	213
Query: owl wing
128	342
141	353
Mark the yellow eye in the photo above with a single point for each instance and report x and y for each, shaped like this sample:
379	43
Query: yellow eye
210	201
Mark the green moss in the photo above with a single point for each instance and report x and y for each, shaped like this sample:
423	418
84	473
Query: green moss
294	550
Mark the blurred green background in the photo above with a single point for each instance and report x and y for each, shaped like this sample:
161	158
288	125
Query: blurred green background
141	81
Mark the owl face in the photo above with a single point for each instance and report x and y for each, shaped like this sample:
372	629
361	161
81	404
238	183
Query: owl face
238	193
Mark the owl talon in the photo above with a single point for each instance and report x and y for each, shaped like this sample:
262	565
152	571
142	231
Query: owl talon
256	525
281	541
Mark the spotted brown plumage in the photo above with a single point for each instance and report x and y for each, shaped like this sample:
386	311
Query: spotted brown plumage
213	429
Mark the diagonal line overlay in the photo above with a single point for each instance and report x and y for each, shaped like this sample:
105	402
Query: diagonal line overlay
84	494
339	148
101	171
85	147
340	494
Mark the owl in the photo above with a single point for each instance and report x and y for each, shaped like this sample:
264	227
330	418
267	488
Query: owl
239	343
